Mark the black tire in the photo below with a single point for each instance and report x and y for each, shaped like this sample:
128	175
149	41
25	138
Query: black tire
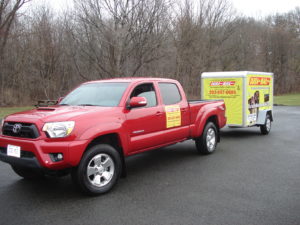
207	143
266	128
28	173
97	182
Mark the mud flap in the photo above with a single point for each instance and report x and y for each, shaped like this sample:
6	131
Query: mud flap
261	120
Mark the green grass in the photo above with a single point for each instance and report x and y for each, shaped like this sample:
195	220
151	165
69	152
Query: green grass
4	111
289	99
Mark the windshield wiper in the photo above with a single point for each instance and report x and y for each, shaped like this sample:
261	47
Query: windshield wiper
87	105
63	104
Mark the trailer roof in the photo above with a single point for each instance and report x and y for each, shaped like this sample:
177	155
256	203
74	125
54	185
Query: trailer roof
234	74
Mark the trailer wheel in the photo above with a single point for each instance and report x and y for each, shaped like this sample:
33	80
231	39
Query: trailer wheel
266	128
99	170
207	143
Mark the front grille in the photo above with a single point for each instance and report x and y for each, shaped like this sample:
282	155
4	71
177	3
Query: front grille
24	154
27	130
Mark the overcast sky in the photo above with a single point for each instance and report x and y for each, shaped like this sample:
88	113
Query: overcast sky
255	8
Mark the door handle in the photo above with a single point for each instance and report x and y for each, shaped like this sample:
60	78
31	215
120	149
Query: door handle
158	113
183	110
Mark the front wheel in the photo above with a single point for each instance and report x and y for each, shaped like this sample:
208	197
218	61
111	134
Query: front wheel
266	128
207	143
99	170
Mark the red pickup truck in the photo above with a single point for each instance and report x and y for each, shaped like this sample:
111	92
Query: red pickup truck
92	129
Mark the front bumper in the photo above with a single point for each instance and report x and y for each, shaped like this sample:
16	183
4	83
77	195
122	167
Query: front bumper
36	153
29	161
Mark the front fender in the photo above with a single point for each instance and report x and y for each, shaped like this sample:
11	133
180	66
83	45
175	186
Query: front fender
106	128
100	129
90	134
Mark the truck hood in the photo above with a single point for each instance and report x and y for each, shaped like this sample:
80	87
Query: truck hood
56	113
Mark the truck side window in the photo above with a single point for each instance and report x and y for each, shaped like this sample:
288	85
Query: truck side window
147	91
170	93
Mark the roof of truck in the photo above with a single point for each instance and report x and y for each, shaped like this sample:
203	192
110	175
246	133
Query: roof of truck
133	79
234	74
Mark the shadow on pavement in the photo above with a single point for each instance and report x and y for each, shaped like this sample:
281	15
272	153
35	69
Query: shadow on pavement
46	189
240	132
138	166
163	157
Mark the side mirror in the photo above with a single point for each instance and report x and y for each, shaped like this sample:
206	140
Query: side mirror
60	99
136	102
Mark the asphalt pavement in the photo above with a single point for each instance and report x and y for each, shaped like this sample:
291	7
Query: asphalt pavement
250	179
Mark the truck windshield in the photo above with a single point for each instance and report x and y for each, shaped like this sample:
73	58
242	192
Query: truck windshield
96	94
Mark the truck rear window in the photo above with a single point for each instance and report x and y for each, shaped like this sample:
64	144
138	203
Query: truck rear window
96	94
170	93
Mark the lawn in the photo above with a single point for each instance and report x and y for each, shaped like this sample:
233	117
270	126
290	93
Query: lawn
290	99
9	110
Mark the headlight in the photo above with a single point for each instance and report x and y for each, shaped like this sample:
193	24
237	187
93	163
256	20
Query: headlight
59	129
1	126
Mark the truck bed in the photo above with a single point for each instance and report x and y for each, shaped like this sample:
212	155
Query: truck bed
202	101
202	106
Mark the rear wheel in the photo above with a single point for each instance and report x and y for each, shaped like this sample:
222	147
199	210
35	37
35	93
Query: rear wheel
27	173
266	128
207	143
99	170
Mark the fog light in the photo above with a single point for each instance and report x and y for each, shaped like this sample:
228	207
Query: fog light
60	156
56	157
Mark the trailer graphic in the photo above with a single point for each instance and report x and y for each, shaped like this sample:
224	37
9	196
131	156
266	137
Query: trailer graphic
248	96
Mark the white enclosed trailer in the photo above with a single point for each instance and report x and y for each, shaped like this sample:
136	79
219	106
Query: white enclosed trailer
248	96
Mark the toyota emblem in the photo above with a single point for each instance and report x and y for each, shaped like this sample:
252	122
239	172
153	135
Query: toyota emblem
17	128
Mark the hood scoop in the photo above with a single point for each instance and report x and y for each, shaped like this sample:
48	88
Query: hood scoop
45	109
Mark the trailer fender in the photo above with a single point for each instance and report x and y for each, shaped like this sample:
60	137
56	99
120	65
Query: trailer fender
262	116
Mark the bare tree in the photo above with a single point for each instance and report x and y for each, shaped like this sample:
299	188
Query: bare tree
44	54
199	39
119	37
8	12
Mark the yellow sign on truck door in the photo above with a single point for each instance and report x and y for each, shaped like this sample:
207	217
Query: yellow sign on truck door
231	91
173	116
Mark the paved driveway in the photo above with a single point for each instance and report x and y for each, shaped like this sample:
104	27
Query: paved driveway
251	179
